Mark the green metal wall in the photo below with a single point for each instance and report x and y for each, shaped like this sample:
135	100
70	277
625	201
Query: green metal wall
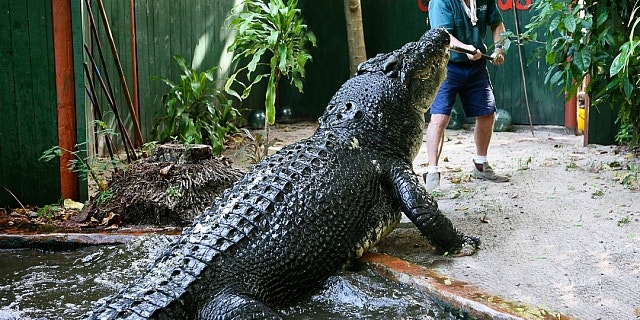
27	103
330	65
192	29
602	125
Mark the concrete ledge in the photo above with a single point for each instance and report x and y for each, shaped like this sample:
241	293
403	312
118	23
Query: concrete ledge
456	294
60	241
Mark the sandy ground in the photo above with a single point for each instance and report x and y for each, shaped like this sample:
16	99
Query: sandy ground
563	234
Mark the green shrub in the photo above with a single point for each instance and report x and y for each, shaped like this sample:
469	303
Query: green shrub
195	110
596	41
275	27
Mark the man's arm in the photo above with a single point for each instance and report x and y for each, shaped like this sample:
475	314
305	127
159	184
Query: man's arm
457	43
498	52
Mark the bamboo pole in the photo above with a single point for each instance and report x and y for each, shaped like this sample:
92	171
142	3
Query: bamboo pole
123	80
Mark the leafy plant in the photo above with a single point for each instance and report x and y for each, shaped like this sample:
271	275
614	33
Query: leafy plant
631	178
48	211
626	68
623	221
596	194
87	167
173	191
195	110
594	44
277	28
255	149
103	196
148	148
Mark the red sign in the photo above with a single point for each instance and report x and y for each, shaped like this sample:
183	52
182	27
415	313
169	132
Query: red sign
504	5
423	7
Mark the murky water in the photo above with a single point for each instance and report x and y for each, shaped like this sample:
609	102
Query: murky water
63	285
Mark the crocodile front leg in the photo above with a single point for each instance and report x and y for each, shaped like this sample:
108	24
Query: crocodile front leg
422	209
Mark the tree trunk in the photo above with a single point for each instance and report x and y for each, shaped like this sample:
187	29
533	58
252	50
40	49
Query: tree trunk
355	34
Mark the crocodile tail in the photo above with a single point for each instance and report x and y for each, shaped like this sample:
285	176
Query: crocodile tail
161	293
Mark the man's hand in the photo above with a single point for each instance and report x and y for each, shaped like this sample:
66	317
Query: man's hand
476	56
498	56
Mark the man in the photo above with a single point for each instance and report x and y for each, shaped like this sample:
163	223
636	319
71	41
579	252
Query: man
468	77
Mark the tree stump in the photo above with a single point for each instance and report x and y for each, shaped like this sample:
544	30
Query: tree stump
181	153
170	188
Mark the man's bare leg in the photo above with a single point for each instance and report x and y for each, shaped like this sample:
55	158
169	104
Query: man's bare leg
483	132
435	137
435	140
482	136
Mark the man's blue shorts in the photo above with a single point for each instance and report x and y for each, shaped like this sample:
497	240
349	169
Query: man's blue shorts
471	81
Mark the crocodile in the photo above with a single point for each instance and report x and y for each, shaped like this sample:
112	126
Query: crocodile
303	213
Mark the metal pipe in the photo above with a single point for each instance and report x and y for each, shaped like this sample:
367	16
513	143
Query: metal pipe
66	111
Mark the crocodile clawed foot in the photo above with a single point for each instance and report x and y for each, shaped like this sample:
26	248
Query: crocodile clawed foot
470	245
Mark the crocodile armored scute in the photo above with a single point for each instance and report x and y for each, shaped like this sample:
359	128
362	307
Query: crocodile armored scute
301	214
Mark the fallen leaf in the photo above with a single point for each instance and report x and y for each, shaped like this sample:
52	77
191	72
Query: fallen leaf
111	219
73	205
164	171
